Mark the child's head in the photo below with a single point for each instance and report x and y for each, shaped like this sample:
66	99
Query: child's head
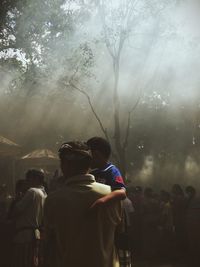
101	151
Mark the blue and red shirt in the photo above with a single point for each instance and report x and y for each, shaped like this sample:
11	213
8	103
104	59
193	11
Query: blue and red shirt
110	175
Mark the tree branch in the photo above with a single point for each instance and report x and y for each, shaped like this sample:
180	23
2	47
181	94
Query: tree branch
82	91
129	122
107	42
104	130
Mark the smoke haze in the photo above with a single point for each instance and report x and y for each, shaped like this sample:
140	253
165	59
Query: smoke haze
159	63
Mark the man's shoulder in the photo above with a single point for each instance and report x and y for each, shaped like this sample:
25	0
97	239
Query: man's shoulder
61	194
115	176
101	188
31	191
113	169
109	170
36	191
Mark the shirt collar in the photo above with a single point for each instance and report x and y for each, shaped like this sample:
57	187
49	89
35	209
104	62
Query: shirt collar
80	179
106	168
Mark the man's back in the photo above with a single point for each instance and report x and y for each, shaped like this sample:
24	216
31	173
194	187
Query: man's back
84	239
30	214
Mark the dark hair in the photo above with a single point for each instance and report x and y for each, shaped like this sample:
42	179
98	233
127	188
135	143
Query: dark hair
138	189
165	194
177	190
33	173
100	144
190	189
148	192
77	153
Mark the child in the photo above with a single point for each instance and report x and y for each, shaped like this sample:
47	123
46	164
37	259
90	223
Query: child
104	171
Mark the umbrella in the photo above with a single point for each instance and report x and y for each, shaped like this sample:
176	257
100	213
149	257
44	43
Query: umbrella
8	153
8	148
41	157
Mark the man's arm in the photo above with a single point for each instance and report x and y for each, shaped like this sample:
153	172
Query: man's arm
114	196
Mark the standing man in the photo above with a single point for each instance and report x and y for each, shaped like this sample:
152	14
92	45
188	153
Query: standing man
29	219
81	238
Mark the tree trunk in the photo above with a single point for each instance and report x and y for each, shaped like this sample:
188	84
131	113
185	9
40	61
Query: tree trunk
117	130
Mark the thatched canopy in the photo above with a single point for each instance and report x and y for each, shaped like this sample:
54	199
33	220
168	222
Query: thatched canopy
8	148
41	157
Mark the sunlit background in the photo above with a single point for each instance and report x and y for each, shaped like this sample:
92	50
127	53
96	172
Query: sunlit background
48	45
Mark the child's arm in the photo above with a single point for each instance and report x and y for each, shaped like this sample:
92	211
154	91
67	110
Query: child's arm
117	195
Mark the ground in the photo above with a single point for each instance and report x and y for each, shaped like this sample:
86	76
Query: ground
157	264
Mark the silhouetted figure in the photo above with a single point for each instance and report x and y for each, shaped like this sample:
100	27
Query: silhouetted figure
107	173
83	237
166	226
150	220
4	201
190	194
179	213
29	218
20	189
193	227
137	201
8	227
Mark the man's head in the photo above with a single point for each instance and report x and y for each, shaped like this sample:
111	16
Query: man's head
165	196
34	178
190	192
101	151
75	158
148	192
138	190
177	190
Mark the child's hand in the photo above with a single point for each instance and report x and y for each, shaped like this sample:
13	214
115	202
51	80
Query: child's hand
99	203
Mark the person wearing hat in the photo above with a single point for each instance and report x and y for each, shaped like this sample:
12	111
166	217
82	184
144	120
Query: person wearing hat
82	238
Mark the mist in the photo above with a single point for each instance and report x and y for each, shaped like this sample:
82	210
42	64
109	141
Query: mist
46	46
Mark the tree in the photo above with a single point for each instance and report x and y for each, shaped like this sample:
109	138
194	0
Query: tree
114	37
38	31
45	42
119	19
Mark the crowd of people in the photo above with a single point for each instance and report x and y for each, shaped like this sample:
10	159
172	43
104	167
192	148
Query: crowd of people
89	218
166	224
